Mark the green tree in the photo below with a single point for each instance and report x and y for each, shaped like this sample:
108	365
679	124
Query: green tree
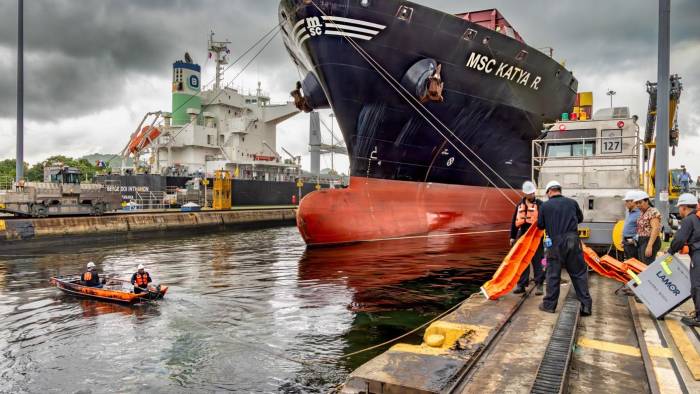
7	168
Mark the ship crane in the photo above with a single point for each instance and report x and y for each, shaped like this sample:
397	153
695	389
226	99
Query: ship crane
649	158
316	145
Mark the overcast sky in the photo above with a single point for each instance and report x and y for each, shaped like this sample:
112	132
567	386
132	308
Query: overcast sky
93	68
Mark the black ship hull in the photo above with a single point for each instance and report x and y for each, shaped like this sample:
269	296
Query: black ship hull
494	112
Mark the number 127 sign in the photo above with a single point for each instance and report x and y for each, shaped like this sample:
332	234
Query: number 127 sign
611	141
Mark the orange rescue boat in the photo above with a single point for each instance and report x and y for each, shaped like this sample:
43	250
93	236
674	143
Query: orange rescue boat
116	290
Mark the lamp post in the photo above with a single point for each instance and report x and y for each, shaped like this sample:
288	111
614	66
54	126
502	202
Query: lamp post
611	93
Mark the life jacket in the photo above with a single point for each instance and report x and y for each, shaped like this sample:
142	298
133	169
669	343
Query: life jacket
87	276
527	213
141	280
686	248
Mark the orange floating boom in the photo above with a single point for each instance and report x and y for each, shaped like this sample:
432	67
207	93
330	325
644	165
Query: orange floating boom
610	267
599	265
513	265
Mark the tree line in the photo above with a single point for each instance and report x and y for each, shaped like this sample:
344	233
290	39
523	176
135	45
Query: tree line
35	173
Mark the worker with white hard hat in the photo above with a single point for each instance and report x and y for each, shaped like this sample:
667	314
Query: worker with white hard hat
629	231
648	228
560	217
91	277
140	279
524	216
689	235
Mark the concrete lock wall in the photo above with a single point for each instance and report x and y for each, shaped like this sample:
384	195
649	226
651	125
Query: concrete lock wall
20	231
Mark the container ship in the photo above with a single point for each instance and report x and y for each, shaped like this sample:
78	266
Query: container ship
438	112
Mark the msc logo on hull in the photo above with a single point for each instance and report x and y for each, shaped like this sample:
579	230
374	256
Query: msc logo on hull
317	26
314	26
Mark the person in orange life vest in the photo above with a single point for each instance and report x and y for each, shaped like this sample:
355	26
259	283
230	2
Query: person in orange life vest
90	277
140	279
525	216
689	235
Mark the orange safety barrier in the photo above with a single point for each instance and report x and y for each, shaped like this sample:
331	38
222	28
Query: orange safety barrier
513	265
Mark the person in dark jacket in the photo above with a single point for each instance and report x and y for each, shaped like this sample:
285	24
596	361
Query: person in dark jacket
689	234
140	279
560	217
90	277
525	215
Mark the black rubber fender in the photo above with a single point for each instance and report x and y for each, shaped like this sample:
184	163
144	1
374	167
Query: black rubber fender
415	80
313	92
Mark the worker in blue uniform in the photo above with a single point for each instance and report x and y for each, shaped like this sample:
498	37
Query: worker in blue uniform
629	231
525	215
689	235
560	217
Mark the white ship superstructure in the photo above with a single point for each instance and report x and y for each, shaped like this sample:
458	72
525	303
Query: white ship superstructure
220	128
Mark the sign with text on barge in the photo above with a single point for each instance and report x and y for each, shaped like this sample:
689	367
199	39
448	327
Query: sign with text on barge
663	286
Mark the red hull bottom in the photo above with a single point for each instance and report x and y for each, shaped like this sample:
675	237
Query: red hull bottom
378	209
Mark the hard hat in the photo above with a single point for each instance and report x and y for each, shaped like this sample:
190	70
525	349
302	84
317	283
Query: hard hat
552	184
529	187
140	266
687	199
631	195
91	265
641	196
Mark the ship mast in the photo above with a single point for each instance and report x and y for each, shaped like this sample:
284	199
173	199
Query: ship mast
219	50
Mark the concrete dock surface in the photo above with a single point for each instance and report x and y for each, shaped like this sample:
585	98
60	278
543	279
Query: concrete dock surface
499	347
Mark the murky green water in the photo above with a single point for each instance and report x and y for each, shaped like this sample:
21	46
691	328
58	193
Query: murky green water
253	311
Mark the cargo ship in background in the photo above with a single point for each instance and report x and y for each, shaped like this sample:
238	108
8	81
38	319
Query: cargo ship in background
438	112
210	128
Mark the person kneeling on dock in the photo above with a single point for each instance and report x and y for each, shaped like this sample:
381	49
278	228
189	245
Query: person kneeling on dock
526	215
689	235
560	217
140	279
90	277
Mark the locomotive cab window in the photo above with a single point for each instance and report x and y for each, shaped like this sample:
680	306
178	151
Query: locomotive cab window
571	149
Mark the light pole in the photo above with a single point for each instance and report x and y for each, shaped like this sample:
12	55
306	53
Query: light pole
332	116
662	112
19	167
611	93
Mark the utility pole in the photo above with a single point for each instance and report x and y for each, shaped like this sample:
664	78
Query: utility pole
662	111
611	93
19	167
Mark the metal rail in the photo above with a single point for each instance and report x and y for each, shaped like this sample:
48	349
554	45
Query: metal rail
152	212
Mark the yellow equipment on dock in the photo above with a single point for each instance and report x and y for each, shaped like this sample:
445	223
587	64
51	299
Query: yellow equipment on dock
222	190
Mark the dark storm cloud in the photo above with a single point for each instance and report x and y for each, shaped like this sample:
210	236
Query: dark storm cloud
80	52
